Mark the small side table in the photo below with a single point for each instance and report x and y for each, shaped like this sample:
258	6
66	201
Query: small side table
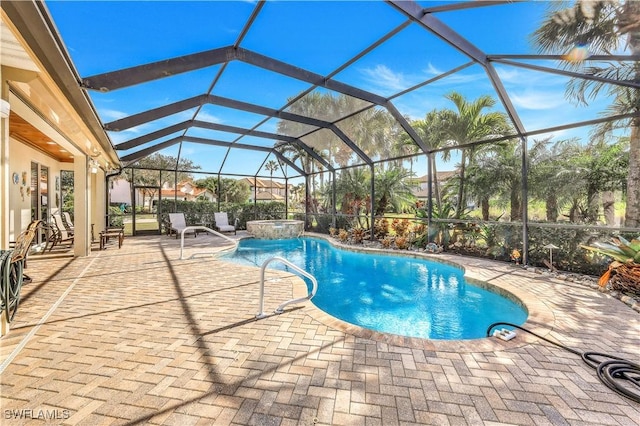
111	233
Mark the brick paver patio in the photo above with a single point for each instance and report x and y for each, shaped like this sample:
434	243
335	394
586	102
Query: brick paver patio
137	336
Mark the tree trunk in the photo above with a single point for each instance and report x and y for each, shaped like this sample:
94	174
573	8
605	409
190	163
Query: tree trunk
460	202
552	208
516	205
629	21
436	186
573	212
593	206
382	204
484	203
632	214
608	202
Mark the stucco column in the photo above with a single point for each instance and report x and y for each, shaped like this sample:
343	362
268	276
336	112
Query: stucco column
4	167
81	206
98	203
4	184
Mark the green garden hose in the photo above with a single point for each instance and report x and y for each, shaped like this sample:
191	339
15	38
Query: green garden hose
618	374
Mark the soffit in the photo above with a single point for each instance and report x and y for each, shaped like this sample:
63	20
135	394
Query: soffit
12	53
22	130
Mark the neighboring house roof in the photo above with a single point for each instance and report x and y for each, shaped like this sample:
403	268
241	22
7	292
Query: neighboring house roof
192	194
199	191
421	193
442	176
170	193
264	183
268	196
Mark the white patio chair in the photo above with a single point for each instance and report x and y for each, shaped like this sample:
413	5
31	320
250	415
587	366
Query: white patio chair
60	233
177	223
222	222
66	219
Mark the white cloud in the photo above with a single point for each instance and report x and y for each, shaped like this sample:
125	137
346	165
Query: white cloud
524	77
111	114
432	70
509	75
537	100
203	116
383	77
458	77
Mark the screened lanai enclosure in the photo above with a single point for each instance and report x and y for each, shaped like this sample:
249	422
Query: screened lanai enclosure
505	129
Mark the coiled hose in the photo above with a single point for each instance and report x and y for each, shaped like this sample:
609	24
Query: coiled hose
618	374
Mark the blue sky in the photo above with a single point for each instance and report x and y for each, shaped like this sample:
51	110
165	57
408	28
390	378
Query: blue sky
317	36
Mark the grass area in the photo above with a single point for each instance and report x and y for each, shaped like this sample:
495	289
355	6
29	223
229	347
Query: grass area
150	225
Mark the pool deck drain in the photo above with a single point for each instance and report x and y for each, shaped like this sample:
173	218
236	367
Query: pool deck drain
142	337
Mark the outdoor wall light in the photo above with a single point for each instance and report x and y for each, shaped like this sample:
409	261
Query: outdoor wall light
93	166
93	163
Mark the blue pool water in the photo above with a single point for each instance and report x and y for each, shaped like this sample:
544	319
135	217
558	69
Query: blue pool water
391	294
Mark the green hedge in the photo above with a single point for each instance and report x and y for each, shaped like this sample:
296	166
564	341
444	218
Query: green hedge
201	212
116	217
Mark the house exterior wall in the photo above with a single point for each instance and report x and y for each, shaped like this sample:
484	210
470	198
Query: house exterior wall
54	126
19	212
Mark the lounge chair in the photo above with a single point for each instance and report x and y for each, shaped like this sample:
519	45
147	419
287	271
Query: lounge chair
12	264
177	223
66	219
22	247
60	234
222	222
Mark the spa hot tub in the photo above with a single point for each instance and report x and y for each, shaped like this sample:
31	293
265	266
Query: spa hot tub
275	229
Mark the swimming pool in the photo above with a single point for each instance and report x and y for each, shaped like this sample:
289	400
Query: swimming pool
388	293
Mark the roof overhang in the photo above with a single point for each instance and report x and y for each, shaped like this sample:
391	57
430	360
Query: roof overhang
40	41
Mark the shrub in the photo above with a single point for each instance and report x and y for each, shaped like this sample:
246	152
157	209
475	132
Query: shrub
323	223
624	272
116	219
386	242
357	234
420	235
343	221
400	227
402	243
381	228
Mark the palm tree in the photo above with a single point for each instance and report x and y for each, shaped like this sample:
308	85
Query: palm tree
271	166
547	164
372	130
352	193
431	130
469	124
499	171
393	189
295	153
605	26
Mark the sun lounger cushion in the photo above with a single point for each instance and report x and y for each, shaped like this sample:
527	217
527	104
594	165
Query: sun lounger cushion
222	222
178	224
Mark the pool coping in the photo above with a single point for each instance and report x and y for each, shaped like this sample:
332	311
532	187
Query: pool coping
540	319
